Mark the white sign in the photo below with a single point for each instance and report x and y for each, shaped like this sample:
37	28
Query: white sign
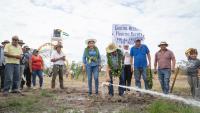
125	34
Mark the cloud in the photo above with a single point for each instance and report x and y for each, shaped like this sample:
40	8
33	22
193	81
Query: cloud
175	21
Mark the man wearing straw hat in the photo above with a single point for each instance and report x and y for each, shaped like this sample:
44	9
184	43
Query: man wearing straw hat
166	61
58	59
13	54
114	68
2	63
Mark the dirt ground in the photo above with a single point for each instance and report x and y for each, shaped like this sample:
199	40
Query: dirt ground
74	99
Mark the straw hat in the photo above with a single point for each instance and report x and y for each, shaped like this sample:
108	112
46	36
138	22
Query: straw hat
5	42
111	48
163	43
191	51
90	40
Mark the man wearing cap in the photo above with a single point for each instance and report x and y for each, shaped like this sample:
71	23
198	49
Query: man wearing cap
13	54
22	64
2	63
58	59
26	75
140	53
166	61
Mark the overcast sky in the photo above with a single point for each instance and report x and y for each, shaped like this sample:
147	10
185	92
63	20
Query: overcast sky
174	21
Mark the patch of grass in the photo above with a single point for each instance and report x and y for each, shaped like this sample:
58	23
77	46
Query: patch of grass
132	110
162	106
126	111
19	104
45	93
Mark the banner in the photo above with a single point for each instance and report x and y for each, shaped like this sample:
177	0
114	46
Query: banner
125	34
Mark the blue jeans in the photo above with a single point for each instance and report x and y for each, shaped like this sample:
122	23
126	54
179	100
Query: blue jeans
93	70
120	89
12	77
38	73
138	72
164	78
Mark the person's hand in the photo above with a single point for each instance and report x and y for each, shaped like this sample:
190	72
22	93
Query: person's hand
17	56
42	68
100	68
149	66
31	70
83	68
155	71
173	70
198	72
132	70
107	79
63	58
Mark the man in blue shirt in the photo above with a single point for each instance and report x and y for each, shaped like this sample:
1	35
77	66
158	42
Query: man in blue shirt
140	53
2	63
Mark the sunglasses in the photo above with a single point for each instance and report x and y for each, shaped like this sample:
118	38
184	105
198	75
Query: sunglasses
15	40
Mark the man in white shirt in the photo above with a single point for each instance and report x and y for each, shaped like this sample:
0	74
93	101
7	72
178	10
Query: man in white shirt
58	59
127	66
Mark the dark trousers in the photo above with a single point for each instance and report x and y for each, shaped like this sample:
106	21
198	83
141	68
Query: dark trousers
127	75
27	75
2	75
57	70
120	89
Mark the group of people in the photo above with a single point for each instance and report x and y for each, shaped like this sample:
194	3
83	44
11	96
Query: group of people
19	65
123	62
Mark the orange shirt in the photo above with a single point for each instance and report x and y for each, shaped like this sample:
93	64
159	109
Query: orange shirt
37	62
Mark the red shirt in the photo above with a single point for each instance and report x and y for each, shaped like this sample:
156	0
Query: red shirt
164	59
37	62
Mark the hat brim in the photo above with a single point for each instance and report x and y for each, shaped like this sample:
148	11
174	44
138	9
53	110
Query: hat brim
162	44
4	43
21	43
108	50
90	40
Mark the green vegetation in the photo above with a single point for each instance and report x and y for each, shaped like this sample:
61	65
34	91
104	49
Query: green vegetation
163	106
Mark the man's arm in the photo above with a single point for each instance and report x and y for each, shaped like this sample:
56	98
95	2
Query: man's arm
42	63
173	62
149	59
30	64
12	56
107	73
131	60
155	64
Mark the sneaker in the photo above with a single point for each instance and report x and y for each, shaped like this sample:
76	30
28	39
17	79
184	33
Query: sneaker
15	91
34	88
